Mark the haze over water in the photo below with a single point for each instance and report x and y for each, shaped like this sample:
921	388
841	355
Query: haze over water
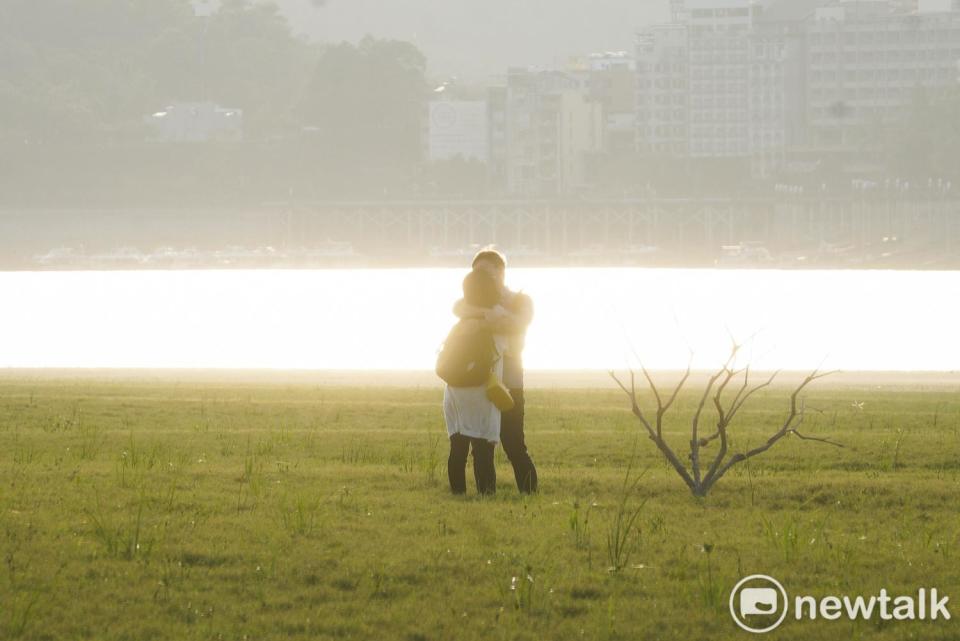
396	319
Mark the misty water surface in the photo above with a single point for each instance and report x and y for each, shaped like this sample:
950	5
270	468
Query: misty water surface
396	319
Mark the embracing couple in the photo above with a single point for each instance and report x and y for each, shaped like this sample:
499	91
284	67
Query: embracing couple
481	362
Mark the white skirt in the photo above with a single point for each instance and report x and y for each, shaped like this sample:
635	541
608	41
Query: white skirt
468	411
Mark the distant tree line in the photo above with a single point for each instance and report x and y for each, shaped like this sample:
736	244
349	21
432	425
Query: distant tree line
78	78
86	71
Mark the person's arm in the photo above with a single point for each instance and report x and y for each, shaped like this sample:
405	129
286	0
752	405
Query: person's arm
514	320
463	309
511	319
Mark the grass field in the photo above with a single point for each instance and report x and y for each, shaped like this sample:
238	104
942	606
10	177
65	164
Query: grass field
138	510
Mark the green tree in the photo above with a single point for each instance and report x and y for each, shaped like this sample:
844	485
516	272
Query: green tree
90	70
365	103
75	69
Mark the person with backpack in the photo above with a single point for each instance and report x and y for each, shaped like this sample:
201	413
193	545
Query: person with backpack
515	312
471	363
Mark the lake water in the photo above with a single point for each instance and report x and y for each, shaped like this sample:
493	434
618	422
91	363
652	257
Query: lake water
396	319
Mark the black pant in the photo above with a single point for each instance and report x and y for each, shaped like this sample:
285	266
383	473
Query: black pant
484	471
511	436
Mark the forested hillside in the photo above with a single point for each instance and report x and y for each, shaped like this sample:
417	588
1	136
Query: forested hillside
476	39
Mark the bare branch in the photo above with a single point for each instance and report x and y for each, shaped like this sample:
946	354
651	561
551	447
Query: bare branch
743	388
788	426
662	445
662	409
716	386
694	440
632	394
816	438
653	388
694	428
719	395
751	392
680	385
614	376
723	421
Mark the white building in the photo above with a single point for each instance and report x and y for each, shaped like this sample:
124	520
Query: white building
458	128
196	122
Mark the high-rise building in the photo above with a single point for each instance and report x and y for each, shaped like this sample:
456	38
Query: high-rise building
552	126
751	79
867	62
713	85
720	55
662	91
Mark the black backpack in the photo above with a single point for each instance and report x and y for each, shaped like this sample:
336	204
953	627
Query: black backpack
466	358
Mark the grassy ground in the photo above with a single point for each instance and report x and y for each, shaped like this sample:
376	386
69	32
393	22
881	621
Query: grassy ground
161	511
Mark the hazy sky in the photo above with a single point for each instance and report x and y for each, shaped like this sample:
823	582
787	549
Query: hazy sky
477	38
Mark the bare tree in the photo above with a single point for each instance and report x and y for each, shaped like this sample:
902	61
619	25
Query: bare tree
701	478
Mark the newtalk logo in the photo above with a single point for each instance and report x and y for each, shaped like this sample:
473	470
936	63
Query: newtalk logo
758	603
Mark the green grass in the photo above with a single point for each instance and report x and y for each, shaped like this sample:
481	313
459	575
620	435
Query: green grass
172	511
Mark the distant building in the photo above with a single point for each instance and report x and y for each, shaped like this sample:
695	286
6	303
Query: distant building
205	8
712	86
458	128
663	91
497	138
785	22
720	60
754	79
610	79
768	89
867	62
196	122
552	126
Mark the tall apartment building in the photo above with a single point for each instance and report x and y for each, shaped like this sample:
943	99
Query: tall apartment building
551	128
713	86
868	61
662	90
773	79
786	21
719	53
751	79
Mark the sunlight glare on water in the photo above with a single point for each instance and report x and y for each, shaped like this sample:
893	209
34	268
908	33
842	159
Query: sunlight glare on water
396	319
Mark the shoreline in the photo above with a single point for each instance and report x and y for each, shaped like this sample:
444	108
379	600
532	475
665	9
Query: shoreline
534	379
